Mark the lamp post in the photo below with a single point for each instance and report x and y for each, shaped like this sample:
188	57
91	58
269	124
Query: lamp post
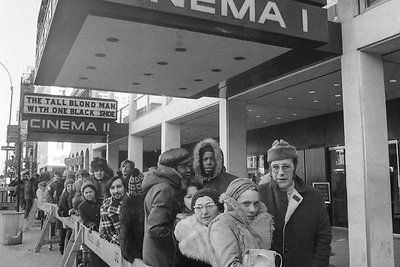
11	99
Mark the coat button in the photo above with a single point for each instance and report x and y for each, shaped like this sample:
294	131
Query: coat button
286	250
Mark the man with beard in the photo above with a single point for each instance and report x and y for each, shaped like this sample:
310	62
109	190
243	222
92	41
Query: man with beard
109	228
208	165
162	185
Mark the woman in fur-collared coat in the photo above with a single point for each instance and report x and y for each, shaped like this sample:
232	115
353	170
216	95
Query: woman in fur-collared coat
245	224
192	232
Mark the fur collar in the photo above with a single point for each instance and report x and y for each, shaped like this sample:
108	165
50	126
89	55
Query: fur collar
193	240
219	159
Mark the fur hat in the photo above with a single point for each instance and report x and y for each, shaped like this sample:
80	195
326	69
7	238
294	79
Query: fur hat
281	150
68	181
174	157
213	194
82	172
98	163
88	184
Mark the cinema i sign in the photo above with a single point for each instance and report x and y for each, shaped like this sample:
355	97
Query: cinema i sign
282	17
41	104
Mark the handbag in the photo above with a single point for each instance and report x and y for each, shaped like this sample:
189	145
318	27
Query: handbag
260	258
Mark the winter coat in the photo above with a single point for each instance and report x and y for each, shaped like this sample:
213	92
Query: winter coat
231	234
132	227
29	189
302	227
100	186
162	188
65	204
220	178
53	191
89	211
193	243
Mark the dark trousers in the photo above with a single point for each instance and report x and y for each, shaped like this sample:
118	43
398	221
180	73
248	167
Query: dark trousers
28	206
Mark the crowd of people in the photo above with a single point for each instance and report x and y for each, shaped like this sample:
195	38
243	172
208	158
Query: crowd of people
189	211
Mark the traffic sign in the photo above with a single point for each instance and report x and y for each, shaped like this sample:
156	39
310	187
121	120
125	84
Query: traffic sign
8	148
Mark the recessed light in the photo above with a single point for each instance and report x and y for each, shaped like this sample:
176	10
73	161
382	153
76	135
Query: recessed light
162	63
294	114
315	101
393	81
215	70
100	55
311	92
91	67
264	121
290	98
180	49
135	83
182	88
239	58
83	78
337	95
278	118
198	80
250	110
148	74
112	40
338	104
336	84
258	116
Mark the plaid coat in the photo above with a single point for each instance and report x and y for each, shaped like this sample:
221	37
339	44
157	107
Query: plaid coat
109	220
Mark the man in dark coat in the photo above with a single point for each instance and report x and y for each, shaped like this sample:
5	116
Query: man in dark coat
302	229
208	165
162	188
29	193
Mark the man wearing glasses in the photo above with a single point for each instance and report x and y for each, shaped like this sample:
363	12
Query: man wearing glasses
302	228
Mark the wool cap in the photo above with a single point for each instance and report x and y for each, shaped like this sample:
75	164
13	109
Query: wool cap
207	192
88	184
174	157
281	150
238	186
68	181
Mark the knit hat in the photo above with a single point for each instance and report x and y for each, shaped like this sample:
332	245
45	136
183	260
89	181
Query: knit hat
68	181
238	186
281	150
88	184
212	193
174	157
207	148
67	173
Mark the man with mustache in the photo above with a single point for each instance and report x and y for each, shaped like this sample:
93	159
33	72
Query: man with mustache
302	229
109	228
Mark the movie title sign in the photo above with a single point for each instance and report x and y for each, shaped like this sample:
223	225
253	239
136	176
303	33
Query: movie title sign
285	17
39	104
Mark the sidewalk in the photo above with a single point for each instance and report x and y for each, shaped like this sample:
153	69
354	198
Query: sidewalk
340	248
23	255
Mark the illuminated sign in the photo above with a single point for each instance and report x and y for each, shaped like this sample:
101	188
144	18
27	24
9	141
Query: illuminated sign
68	125
39	104
290	18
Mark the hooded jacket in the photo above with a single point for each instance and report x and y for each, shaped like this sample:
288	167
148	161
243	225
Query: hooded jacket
220	179
302	227
162	188
231	233
193	242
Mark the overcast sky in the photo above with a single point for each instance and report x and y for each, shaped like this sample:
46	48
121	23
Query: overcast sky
18	22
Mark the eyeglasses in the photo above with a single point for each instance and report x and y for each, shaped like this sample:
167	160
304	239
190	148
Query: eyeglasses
208	206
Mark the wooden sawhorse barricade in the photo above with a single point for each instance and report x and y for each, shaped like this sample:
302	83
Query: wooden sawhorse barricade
108	252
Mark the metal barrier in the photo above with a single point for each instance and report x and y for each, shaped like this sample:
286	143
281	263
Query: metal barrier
108	252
